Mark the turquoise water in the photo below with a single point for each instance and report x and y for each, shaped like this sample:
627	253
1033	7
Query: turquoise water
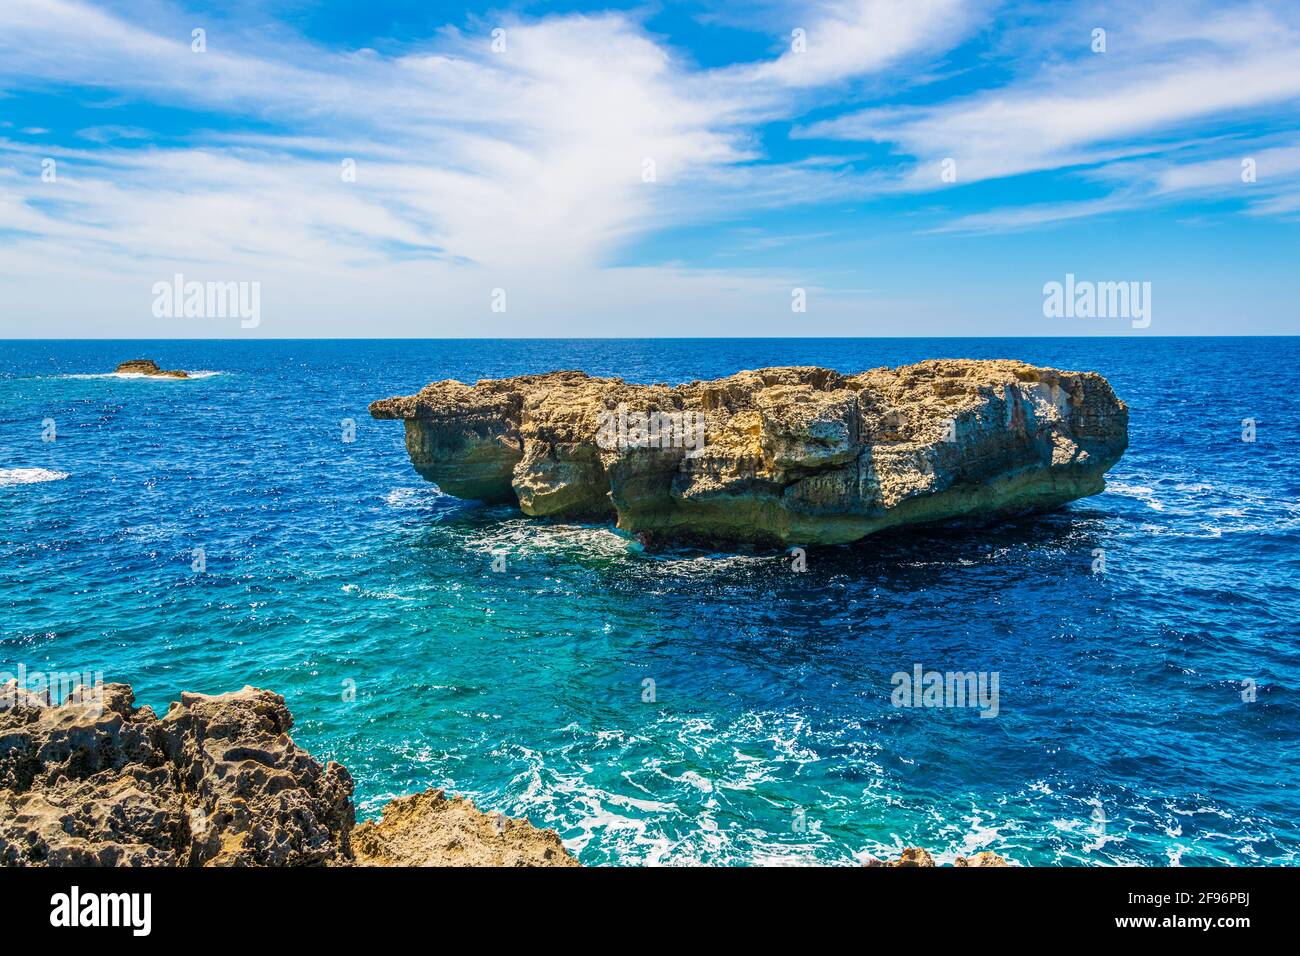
1122	736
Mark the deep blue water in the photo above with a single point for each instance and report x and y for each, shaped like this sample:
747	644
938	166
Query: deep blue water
1122	736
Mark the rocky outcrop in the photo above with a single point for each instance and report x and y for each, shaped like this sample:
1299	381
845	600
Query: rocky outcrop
916	856
217	781
431	829
776	456
148	367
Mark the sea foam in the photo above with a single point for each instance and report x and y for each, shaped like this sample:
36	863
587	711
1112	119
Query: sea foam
197	374
28	476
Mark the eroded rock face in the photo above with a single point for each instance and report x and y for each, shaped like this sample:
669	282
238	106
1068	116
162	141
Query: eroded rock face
798	455
431	829
215	782
148	367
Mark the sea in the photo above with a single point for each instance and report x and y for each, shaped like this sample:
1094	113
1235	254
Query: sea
253	525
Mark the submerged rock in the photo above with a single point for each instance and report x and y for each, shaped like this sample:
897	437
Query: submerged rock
216	782
148	367
777	456
916	856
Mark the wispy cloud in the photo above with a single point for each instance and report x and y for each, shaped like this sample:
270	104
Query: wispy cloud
1164	71
832	42
111	134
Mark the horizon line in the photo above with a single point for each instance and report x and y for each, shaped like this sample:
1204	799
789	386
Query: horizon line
649	338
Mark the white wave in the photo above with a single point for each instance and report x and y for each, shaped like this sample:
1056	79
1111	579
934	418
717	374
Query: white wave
703	565
527	536
375	595
28	476
1141	492
412	497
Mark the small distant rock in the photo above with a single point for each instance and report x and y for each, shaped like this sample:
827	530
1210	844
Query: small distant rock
148	367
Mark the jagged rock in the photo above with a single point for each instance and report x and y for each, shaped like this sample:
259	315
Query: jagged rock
430	829
148	367
916	856
217	781
912	856
987	858
781	456
96	781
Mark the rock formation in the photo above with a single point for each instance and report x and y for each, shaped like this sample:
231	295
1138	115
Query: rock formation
776	456
429	829
216	782
915	856
148	367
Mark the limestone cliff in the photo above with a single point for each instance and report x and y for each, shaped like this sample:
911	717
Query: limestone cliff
777	456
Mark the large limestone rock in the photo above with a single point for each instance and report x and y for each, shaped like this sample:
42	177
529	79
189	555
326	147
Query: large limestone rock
216	782
797	455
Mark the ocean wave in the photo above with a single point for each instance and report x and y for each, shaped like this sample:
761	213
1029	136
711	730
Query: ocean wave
29	476
376	595
524	536
412	497
1142	493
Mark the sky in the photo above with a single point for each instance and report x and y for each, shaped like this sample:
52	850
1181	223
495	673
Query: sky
405	168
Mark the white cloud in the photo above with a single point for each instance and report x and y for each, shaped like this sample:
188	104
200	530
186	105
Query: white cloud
1073	115
850	38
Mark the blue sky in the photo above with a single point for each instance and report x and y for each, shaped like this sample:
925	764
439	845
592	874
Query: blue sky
647	169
